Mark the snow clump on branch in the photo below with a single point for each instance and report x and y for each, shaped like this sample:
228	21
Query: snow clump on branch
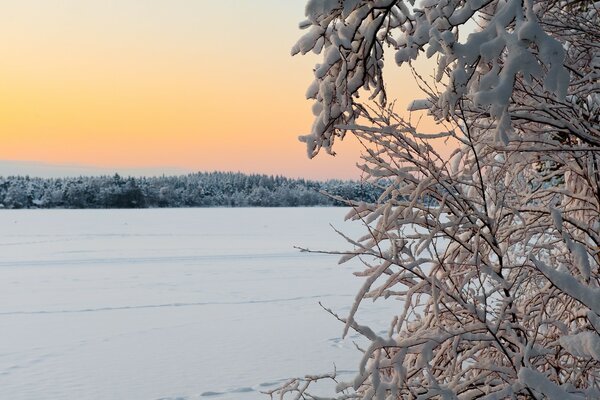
493	252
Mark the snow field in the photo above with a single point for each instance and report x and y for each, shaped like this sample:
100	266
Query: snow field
171	303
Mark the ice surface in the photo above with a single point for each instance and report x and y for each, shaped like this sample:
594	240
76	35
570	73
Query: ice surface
166	304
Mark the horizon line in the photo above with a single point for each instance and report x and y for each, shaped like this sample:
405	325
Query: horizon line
47	170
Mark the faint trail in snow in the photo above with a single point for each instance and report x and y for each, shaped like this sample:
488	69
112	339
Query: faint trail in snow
68	237
273	383
173	398
173	305
242	390
123	234
152	260
36	242
39	358
262	386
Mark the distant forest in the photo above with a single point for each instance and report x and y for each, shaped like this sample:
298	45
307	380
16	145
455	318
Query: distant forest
214	189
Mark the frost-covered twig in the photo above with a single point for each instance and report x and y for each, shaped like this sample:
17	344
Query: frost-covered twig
492	254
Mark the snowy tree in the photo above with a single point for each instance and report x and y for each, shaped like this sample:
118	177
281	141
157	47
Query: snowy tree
192	190
492	254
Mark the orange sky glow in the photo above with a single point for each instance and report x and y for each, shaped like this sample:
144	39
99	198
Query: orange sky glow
188	84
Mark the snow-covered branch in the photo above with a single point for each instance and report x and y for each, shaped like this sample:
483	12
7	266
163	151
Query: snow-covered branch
492	253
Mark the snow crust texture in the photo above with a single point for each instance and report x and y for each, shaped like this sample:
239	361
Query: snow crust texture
185	304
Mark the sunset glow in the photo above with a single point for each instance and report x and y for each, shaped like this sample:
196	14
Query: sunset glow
187	84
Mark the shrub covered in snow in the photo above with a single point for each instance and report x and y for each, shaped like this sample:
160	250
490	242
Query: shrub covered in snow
497	282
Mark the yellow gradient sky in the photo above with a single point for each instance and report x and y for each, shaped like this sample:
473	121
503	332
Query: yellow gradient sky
192	84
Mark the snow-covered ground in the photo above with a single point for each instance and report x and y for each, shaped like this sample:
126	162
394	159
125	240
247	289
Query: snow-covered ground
171	303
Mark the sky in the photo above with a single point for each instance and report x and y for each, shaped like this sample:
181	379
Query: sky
161	86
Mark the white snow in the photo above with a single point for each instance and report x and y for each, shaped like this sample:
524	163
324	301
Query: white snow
166	304
421	104
583	344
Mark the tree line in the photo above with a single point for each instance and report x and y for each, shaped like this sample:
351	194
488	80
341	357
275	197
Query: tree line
203	189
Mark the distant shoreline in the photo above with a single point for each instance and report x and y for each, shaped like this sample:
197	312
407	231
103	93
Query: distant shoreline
197	190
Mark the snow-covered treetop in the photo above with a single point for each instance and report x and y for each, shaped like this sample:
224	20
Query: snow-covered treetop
352	35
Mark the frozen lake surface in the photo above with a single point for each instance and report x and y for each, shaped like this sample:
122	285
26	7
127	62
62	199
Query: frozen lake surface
171	303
